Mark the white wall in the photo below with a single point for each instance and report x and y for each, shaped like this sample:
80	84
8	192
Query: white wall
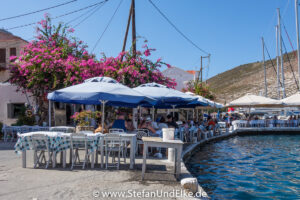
180	76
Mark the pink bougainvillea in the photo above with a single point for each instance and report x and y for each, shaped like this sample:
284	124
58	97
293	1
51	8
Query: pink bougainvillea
56	60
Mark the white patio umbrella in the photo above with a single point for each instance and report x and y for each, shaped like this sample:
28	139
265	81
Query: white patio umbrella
250	100
292	101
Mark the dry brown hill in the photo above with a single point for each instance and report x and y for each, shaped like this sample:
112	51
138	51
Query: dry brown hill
249	78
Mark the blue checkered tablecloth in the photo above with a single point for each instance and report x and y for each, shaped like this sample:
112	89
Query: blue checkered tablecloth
57	141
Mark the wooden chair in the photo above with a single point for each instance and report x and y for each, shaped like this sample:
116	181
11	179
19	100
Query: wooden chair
114	144
79	142
41	146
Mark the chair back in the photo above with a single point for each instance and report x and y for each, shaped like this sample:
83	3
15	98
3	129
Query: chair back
78	140
142	133
113	140
116	130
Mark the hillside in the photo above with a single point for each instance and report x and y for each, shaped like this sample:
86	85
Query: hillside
249	78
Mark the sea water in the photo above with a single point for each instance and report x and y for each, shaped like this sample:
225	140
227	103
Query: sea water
249	167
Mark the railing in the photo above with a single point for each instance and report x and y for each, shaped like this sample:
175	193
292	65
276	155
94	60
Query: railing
264	123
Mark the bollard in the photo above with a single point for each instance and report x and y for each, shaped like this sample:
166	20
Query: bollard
171	154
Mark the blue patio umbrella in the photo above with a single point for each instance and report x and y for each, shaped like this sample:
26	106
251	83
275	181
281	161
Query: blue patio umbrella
165	97
100	90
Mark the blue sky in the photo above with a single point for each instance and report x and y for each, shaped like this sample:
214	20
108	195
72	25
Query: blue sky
230	30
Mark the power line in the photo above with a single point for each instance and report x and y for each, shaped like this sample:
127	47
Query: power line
177	29
109	22
69	13
74	19
96	9
271	61
37	11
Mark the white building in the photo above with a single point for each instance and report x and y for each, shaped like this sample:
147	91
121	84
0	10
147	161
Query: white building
181	77
10	100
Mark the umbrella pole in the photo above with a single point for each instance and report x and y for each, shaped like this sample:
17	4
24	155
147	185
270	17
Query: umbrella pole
49	113
197	115
140	113
153	113
103	114
173	106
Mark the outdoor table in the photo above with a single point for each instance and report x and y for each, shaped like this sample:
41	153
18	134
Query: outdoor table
128	137
58	144
158	142
65	129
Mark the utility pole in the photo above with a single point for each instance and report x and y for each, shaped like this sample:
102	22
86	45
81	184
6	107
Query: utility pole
127	29
201	69
277	61
264	65
281	57
298	45
133	29
131	18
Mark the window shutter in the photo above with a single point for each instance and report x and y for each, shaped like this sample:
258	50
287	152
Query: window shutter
2	55
10	110
12	51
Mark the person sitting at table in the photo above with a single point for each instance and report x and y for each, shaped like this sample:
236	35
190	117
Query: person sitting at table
120	122
129	122
211	123
146	124
99	129
162	123
170	122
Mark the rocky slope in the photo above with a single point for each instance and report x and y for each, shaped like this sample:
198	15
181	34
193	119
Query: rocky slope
249	78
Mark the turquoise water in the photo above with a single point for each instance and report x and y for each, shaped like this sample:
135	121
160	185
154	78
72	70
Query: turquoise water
249	167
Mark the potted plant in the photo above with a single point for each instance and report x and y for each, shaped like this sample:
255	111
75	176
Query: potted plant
84	118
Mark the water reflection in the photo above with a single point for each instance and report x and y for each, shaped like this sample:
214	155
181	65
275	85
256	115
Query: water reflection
249	167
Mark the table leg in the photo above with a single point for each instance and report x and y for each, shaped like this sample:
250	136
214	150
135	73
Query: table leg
96	158
93	160
24	159
34	157
178	167
175	160
102	151
70	159
61	157
64	158
144	160
53	159
132	152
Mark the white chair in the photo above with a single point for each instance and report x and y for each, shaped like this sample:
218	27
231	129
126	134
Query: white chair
139	134
113	144
116	130
79	142
9	132
41	145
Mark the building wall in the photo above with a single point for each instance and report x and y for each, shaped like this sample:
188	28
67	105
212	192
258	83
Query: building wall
16	43
181	77
8	95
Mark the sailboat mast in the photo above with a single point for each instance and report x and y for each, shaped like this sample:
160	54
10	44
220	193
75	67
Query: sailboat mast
298	45
264	65
277	62
281	56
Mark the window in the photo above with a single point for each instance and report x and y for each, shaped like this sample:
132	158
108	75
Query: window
2	55
14	109
12	51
